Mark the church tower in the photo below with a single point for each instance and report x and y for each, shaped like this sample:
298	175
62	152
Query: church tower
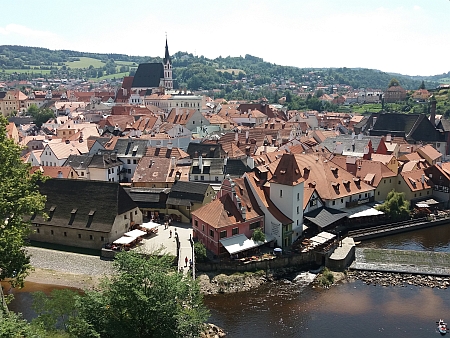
168	81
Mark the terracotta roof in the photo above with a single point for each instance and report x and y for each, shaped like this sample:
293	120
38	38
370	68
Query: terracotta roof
369	171
55	172
165	152
414	180
429	151
219	213
287	171
253	181
180	115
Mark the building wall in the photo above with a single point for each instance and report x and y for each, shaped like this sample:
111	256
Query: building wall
384	187
101	174
85	238
202	231
290	202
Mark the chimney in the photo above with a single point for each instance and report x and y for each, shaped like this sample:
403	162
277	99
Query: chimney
246	136
244	213
236	136
250	162
200	163
247	150
433	110
169	145
173	162
60	174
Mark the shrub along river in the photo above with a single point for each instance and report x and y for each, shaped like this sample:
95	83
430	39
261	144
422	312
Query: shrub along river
349	309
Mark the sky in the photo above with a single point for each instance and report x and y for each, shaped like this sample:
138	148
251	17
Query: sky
410	37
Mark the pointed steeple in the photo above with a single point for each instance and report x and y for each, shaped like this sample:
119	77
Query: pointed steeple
167	55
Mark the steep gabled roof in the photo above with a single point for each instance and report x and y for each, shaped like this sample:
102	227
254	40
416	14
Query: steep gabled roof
287	171
148	75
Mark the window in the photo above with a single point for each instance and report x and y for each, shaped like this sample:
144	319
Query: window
196	223
91	237
281	193
334	202
82	173
390	180
203	227
134	161
79	235
254	225
51	231
223	234
202	178
399	182
195	178
211	233
298	210
102	239
298	196
125	216
135	212
128	162
65	234
235	231
129	171
378	193
342	200
37	230
384	181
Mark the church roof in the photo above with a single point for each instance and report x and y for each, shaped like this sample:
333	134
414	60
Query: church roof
148	75
167	55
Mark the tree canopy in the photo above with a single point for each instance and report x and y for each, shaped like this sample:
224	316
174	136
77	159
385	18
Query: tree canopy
393	82
19	197
147	297
40	115
395	205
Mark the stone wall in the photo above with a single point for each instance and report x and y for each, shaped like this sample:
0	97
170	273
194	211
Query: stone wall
305	260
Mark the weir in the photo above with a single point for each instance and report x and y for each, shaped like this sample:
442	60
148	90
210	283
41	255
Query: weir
402	261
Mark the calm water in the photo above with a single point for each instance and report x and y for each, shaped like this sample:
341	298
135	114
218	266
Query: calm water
285	309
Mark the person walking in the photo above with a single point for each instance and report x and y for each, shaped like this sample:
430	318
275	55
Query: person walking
186	260
170	234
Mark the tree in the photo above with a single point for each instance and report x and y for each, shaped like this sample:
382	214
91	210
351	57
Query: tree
393	82
395	206
13	325
199	251
40	115
147	297
422	85
258	235
19	197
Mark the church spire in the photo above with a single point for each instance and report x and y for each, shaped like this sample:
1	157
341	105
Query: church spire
167	55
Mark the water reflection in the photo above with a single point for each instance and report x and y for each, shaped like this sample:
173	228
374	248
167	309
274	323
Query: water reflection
23	298
347	310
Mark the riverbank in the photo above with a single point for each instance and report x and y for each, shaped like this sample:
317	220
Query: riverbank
61	278
398	279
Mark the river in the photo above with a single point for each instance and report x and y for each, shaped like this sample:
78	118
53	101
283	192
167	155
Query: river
287	309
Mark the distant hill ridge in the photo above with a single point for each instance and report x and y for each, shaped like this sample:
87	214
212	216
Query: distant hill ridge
196	72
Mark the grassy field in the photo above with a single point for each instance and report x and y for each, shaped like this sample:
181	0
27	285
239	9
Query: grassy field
112	76
126	63
369	107
231	70
21	71
85	62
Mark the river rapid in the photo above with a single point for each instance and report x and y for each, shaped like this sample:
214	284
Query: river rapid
350	309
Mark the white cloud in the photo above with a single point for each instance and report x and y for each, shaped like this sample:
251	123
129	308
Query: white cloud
417	8
23	31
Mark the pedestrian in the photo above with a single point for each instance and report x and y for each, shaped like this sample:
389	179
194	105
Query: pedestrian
190	263
170	236
185	262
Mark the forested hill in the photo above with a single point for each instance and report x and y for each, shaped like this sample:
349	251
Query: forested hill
193	72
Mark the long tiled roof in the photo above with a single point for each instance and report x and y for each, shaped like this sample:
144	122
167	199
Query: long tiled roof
83	204
148	75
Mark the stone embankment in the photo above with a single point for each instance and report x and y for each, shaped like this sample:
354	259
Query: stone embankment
398	279
211	284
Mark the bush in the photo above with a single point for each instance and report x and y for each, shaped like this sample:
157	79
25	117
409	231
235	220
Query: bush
258	235
326	279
